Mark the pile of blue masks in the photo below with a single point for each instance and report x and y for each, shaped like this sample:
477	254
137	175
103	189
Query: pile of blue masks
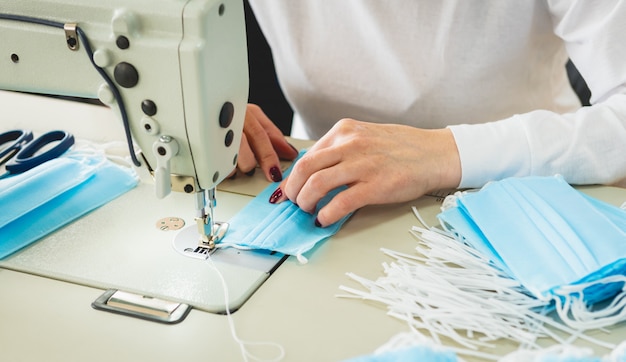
282	227
51	195
412	346
562	246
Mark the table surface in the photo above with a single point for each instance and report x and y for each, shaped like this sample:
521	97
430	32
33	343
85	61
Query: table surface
49	319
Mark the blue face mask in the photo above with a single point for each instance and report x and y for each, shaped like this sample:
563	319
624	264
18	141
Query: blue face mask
283	227
428	351
544	234
55	193
411	354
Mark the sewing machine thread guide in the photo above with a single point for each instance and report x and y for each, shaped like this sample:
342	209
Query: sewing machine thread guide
143	307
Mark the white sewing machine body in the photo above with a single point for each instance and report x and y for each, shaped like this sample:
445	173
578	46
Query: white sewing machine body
176	74
180	67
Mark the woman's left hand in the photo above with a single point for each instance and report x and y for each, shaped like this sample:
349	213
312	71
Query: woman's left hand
380	164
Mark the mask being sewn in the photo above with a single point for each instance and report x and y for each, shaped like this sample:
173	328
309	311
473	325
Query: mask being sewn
282	227
55	193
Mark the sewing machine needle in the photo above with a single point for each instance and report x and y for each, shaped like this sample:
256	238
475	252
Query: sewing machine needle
212	202
204	222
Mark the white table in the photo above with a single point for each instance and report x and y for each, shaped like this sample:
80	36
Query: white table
46	319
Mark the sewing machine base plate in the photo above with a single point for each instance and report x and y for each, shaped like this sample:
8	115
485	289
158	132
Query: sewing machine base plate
125	251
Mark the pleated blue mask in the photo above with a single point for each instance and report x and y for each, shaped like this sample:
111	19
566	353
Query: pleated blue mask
282	227
51	195
545	234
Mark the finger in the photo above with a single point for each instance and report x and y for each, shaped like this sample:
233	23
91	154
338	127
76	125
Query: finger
282	147
278	195
262	147
344	203
325	181
319	185
311	163
246	162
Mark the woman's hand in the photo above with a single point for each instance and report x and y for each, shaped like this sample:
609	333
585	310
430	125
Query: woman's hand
380	164
263	143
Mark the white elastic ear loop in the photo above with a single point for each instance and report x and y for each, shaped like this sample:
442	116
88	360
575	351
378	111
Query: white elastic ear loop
231	323
223	245
427	292
574	311
438	246
115	151
420	218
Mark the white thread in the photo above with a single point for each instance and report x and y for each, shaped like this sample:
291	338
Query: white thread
231	323
448	287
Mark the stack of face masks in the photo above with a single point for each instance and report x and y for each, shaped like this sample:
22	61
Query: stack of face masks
558	243
53	194
506	257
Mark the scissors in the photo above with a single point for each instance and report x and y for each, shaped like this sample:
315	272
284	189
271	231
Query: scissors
23	152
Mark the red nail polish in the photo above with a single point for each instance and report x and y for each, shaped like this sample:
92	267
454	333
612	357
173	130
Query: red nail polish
275	174
317	223
276	195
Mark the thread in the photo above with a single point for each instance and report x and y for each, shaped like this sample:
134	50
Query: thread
245	353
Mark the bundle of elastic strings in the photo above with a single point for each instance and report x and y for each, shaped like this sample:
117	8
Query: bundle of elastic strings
451	294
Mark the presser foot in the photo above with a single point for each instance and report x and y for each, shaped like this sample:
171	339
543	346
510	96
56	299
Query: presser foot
194	242
217	233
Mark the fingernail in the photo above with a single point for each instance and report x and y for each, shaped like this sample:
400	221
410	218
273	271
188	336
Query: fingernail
276	196
233	176
317	223
275	174
251	172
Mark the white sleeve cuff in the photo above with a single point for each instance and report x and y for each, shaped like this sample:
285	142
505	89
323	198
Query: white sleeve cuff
492	151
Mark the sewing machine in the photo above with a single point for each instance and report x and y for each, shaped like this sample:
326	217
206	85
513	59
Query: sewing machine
175	74
175	71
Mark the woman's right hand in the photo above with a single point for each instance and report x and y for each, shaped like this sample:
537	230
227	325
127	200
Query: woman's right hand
263	144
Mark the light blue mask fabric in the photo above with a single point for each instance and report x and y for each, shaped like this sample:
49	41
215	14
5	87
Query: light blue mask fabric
53	194
432	352
410	354
544	233
282	227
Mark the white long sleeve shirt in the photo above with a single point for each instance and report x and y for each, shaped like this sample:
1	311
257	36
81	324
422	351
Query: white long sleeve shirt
491	71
